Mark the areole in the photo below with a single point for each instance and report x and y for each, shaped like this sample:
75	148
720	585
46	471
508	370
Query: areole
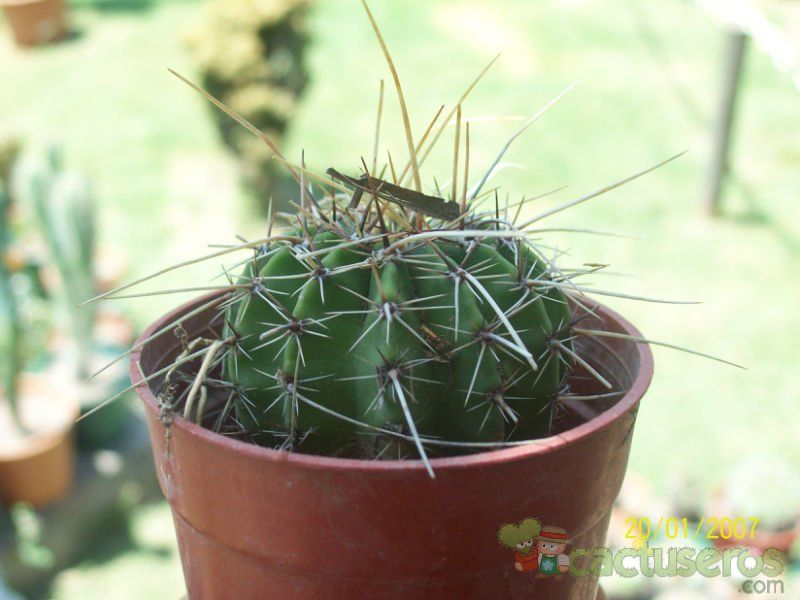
253	522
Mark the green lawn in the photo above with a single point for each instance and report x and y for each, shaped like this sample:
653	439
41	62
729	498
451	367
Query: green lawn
163	183
166	188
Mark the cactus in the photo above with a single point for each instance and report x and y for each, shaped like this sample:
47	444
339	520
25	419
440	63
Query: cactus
9	150
65	212
10	327
388	321
250	54
443	336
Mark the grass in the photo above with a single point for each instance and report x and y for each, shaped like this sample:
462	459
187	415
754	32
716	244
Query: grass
161	177
166	187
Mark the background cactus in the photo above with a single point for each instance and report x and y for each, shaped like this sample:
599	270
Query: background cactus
250	54
65	213
10	326
9	150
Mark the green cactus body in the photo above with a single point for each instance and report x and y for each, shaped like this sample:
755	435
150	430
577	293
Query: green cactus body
441	339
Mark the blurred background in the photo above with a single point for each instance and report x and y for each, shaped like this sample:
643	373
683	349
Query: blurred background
111	168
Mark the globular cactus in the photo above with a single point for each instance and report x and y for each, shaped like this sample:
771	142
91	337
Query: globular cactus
444	335
388	322
65	212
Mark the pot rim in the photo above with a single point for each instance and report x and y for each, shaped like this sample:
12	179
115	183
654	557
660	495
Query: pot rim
406	466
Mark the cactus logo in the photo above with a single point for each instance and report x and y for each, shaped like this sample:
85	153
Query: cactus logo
540	550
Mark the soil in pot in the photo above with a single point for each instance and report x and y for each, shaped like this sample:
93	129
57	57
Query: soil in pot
37	464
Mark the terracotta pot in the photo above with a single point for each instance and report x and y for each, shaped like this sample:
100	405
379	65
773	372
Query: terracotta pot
38	469
35	22
255	523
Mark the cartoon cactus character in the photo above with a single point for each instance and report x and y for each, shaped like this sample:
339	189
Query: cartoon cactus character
520	536
391	319
65	212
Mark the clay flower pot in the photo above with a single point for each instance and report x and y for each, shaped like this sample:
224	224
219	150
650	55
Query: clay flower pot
35	22
38	467
253	522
